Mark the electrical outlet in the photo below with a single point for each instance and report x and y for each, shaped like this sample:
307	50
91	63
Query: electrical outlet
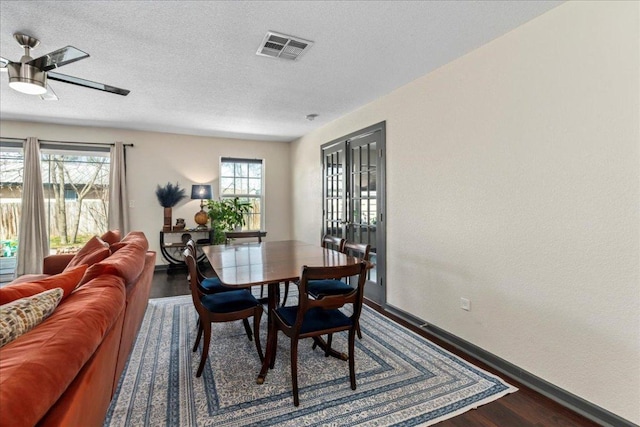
465	304
132	203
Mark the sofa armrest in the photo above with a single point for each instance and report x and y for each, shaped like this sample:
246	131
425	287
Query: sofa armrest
55	264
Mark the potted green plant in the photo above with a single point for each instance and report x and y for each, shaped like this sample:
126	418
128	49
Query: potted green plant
226	215
238	213
169	196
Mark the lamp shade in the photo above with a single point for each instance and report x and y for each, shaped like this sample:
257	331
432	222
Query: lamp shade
201	192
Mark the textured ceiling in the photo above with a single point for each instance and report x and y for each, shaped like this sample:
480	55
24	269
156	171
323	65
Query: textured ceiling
191	65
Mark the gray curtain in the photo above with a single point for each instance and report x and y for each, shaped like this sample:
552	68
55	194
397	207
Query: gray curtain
118	217
33	240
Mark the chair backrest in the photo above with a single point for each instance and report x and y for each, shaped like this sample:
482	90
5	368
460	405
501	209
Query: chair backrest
243	235
331	301
191	245
332	242
194	283
358	250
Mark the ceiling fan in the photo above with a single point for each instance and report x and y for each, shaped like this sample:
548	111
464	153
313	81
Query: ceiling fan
30	75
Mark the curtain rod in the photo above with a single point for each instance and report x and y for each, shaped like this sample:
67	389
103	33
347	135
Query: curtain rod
82	142
68	142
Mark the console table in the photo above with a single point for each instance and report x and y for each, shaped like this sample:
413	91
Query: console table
172	244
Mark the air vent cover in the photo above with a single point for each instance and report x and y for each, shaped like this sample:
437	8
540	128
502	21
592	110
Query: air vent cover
282	46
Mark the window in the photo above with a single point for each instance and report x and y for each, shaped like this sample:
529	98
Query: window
243	178
76	193
11	179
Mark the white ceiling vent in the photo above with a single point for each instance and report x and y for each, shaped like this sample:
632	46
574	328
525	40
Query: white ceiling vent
282	46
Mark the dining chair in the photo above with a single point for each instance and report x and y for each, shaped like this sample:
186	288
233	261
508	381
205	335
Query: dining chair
316	317
221	307
210	285
207	285
229	235
328	242
332	242
321	288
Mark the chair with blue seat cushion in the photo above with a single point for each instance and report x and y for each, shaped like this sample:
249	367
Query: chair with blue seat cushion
221	307
328	242
321	288
207	285
210	285
312	318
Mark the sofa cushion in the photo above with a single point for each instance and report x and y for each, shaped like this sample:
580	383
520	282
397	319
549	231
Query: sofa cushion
95	256
111	236
127	263
118	245
67	280
30	278
94	244
20	316
49	357
138	238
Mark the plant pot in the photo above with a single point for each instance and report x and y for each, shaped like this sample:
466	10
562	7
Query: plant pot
167	220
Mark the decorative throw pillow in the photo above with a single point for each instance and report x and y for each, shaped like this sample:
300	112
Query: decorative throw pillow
94	244
111	236
67	281
20	316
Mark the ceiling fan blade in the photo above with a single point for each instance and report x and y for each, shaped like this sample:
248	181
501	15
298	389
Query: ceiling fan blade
87	83
3	64
49	95
58	58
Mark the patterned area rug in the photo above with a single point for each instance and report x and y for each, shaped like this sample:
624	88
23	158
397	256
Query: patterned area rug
402	379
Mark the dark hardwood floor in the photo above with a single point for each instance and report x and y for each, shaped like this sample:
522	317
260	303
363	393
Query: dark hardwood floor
521	409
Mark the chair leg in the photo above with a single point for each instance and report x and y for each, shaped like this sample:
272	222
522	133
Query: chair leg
358	330
294	371
195	346
247	329
352	363
327	350
257	315
205	348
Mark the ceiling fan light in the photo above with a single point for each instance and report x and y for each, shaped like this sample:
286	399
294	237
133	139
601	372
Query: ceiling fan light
27	79
30	88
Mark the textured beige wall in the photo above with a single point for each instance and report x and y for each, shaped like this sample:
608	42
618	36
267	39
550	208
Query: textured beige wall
157	158
513	180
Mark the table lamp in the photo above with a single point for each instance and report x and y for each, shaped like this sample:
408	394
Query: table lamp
201	192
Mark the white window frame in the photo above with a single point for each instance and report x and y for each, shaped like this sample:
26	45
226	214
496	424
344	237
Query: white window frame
261	196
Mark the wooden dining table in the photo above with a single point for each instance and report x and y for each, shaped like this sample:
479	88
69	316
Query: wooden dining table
268	263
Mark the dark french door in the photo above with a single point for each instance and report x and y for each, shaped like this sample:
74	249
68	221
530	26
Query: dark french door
354	197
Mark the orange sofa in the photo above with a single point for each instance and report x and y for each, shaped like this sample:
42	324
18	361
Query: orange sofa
64	371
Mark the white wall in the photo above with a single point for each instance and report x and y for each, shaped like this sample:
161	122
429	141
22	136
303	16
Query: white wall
157	158
513	180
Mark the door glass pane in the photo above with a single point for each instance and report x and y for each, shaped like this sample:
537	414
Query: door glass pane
363	197
333	190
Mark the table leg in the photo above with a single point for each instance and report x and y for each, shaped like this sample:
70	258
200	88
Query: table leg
271	335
